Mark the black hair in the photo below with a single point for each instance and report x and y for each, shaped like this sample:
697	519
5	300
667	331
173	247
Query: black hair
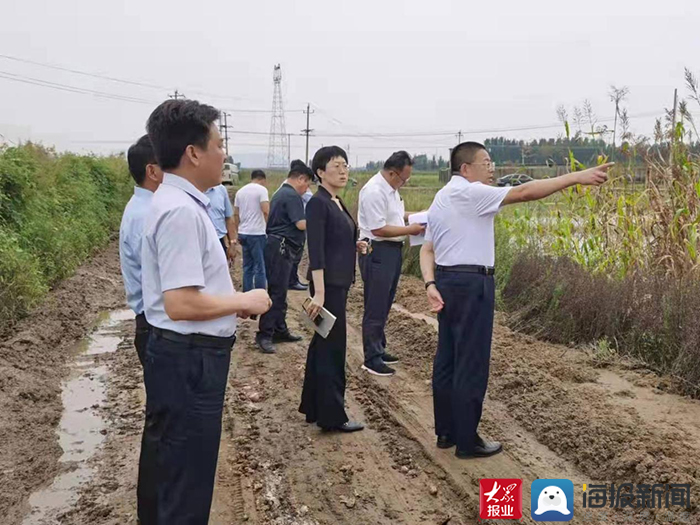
298	168
464	153
398	161
258	174
138	156
176	124
324	156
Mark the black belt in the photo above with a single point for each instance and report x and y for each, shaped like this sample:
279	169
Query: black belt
391	244
141	321
195	339
467	268
285	240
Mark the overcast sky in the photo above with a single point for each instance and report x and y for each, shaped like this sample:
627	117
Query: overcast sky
426	68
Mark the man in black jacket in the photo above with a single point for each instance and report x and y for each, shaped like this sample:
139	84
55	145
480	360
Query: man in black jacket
286	233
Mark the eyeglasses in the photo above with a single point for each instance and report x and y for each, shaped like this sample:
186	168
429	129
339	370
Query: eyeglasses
488	164
400	177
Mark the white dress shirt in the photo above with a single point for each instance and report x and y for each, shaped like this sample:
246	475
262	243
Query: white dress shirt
379	205
460	222
181	249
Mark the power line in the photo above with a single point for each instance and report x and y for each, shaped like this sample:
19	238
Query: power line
137	83
72	89
109	78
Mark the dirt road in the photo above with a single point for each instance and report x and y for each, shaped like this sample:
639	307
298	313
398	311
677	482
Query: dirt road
561	413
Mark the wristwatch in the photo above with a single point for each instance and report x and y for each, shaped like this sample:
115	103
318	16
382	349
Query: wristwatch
427	284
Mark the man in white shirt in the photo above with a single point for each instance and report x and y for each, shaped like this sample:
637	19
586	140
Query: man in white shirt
382	222
148	176
457	263
192	306
251	207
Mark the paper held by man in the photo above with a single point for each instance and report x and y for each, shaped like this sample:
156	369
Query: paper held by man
323	322
418	218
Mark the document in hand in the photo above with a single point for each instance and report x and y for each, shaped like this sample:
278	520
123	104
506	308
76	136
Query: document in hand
418	218
324	320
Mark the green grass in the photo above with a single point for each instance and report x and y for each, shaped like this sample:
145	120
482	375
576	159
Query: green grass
55	211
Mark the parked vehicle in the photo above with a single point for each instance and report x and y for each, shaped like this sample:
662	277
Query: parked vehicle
514	179
230	174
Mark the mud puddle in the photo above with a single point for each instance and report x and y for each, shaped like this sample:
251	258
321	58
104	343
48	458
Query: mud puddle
82	428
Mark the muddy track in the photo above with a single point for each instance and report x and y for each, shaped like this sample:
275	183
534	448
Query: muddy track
560	413
33	357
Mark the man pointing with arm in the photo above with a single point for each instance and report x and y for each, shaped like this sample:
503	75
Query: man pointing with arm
457	263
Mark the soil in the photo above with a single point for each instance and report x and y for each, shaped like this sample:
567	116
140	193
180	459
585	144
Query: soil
559	411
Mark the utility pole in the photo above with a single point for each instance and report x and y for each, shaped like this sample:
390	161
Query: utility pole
223	127
307	130
459	137
673	128
289	148
177	95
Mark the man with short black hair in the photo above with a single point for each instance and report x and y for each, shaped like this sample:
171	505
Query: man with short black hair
192	306
286	234
457	262
382	220
251	208
148	176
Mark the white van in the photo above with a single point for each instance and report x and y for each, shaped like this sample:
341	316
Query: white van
230	174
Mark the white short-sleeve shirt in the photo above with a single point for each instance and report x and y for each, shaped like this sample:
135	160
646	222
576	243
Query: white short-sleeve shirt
180	249
460	222
248	200
379	205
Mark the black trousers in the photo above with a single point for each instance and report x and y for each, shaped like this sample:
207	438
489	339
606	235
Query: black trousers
380	272
461	367
185	387
143	329
278	265
323	395
294	272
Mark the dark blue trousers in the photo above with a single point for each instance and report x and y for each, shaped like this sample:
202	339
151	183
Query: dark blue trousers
380	272
185	387
461	366
143	330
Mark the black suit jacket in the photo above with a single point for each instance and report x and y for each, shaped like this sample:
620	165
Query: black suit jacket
331	236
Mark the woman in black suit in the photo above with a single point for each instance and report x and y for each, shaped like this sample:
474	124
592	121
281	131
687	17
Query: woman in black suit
332	241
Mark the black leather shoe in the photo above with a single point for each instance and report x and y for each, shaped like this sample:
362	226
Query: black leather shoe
285	337
349	426
299	287
445	442
482	449
389	359
379	368
265	344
